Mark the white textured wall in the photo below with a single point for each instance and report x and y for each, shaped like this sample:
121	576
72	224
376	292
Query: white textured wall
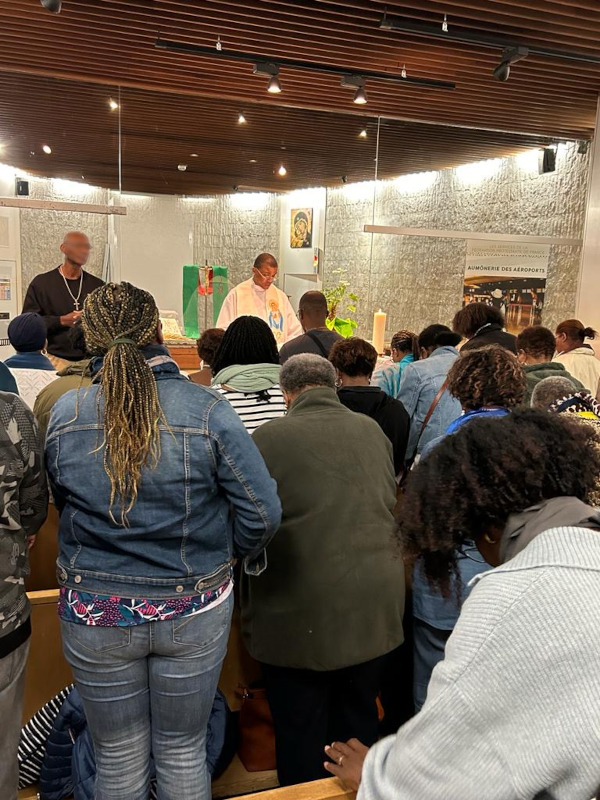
419	280
43	231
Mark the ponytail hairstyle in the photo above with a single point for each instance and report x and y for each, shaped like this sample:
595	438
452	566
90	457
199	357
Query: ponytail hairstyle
406	342
576	331
118	320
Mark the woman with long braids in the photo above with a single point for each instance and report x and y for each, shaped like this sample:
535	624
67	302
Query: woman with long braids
513	710
159	488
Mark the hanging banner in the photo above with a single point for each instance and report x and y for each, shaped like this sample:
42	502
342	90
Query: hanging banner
190	300
509	276
220	285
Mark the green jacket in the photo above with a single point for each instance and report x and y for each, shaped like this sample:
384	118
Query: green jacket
74	376
534	373
332	595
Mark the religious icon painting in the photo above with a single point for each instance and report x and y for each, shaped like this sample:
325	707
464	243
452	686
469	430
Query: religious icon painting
301	227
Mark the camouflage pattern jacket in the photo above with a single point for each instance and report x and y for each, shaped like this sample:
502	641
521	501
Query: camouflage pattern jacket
23	508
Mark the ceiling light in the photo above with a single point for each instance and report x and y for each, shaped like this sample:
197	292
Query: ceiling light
194	155
218	44
360	96
112	104
445	24
272	71
510	56
356	82
241	119
363	134
47	149
282	171
273	86
253	161
404	73
52	5
182	167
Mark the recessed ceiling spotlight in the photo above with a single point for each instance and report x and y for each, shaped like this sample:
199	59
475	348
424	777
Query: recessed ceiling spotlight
182	167
404	73
363	134
218	44
194	155
282	171
445	24
253	161
241	119
47	149
272	71
52	5
112	104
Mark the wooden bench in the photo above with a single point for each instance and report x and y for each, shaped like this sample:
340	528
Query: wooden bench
328	789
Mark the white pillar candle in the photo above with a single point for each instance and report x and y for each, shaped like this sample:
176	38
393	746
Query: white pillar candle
379	330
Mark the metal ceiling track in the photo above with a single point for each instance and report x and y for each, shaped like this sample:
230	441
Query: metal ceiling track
309	66
463	36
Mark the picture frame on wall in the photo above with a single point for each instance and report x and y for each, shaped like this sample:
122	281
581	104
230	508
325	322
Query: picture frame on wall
301	226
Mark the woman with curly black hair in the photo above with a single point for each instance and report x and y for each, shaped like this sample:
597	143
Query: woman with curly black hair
488	382
513	709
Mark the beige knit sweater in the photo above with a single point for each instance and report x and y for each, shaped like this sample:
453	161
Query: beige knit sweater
513	711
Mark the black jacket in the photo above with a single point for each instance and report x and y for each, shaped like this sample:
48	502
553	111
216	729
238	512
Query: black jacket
491	334
388	413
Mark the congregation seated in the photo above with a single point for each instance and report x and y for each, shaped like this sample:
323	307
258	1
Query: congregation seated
405	350
246	371
482	324
423	388
329	606
317	338
354	361
31	369
523	654
159	489
536	346
207	346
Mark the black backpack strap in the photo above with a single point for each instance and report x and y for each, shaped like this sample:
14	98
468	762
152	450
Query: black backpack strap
319	343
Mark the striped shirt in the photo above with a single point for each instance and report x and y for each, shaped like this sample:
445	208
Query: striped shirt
256	408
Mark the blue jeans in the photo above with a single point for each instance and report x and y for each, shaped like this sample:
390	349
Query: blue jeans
149	689
429	648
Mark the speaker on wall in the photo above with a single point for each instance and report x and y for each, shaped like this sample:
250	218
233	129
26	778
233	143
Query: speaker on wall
22	187
548	160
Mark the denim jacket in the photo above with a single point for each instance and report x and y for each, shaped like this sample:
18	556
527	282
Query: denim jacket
420	383
210	499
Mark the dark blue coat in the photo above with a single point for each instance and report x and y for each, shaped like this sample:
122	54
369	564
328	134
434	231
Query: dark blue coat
69	766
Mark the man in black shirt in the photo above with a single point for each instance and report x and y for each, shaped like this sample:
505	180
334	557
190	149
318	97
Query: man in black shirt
317	338
58	296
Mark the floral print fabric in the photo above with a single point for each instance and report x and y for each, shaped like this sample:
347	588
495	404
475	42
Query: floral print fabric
85	608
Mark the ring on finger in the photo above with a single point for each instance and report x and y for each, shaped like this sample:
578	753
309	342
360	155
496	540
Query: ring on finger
341	761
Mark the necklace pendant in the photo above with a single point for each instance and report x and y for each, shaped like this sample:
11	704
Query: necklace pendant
76	305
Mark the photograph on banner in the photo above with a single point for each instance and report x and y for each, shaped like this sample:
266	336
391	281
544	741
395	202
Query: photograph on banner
509	276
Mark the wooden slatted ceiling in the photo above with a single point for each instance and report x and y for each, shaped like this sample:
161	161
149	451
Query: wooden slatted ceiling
176	104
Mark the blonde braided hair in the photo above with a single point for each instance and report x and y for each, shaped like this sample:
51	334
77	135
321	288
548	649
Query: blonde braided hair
118	320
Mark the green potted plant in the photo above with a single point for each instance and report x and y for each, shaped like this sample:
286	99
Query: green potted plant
337	295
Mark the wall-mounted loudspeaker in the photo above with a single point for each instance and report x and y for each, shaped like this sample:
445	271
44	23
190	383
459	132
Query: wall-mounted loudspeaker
547	160
22	188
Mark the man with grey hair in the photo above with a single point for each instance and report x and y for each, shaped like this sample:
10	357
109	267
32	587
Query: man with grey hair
58	297
549	391
329	607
